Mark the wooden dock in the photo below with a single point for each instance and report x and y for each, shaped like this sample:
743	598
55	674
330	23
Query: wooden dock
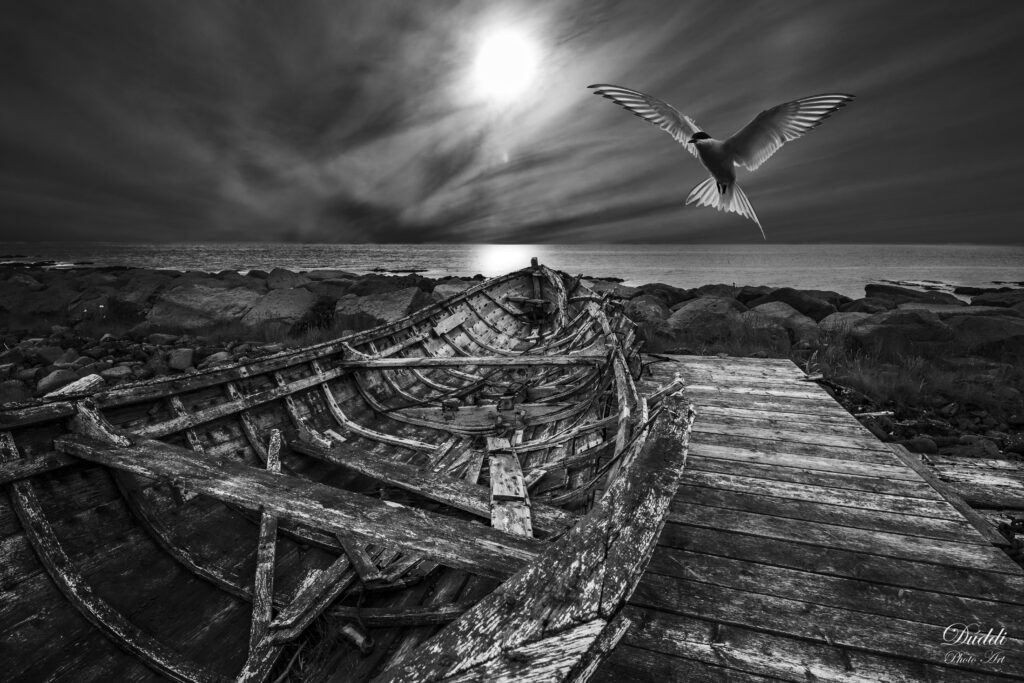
801	548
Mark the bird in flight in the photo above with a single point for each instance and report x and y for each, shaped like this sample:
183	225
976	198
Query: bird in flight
749	147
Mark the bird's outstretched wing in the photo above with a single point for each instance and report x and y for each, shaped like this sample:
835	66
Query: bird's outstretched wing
660	113
756	142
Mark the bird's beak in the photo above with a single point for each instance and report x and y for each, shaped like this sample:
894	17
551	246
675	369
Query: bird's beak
692	141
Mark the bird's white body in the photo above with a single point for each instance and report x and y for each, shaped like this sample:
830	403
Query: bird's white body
749	147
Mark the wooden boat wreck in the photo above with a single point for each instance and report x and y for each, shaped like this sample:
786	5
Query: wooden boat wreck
470	493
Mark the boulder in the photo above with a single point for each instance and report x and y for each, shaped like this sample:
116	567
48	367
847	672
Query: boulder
617	289
749	293
948	310
867	305
380	284
181	359
362	312
891	333
840	323
898	295
803	330
329	274
118	373
330	289
719	290
194	306
1008	298
764	332
160	339
280	305
697	323
451	288
55	380
810	305
646	308
47	353
138	287
279	278
991	336
232	278
218	358
13	391
667	293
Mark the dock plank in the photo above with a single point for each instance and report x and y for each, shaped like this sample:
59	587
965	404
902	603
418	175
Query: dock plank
800	547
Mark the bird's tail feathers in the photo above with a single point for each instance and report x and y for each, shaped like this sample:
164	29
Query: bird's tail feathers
733	200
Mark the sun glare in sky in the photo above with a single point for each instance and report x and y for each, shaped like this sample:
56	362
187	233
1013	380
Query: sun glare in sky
498	259
506	63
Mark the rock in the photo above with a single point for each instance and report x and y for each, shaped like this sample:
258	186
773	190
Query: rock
381	284
813	307
280	278
363	312
948	310
195	306
451	288
331	289
217	358
181	359
803	331
118	373
898	295
697	323
69	356
990	336
616	289
719	290
1008	298
258	274
160	339
749	293
280	306
667	293
1014	444
766	332
329	274
840	323
646	308
903	331
920	444
138	287
48	354
14	391
981	448
866	305
55	380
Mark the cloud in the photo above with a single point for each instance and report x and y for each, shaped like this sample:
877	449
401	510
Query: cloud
355	121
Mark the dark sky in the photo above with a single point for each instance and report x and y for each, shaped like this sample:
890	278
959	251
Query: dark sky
331	121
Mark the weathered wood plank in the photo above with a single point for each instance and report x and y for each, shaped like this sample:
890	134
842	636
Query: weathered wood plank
843	562
442	488
23	468
266	554
510	503
486	416
749	654
454	542
356	428
912	604
825	495
817	437
473	361
838	515
382	617
951	553
73	585
979	522
818	623
743	457
586	575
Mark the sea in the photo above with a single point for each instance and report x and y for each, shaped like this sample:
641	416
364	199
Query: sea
844	268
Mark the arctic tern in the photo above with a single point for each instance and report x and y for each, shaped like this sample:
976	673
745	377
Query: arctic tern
749	147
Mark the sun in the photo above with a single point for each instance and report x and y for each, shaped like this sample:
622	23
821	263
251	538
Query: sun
497	259
506	64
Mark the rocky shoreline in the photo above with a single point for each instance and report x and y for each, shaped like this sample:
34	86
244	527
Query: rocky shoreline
62	325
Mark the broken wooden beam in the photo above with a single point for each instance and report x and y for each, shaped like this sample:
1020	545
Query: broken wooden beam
453	542
510	503
465	361
439	487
